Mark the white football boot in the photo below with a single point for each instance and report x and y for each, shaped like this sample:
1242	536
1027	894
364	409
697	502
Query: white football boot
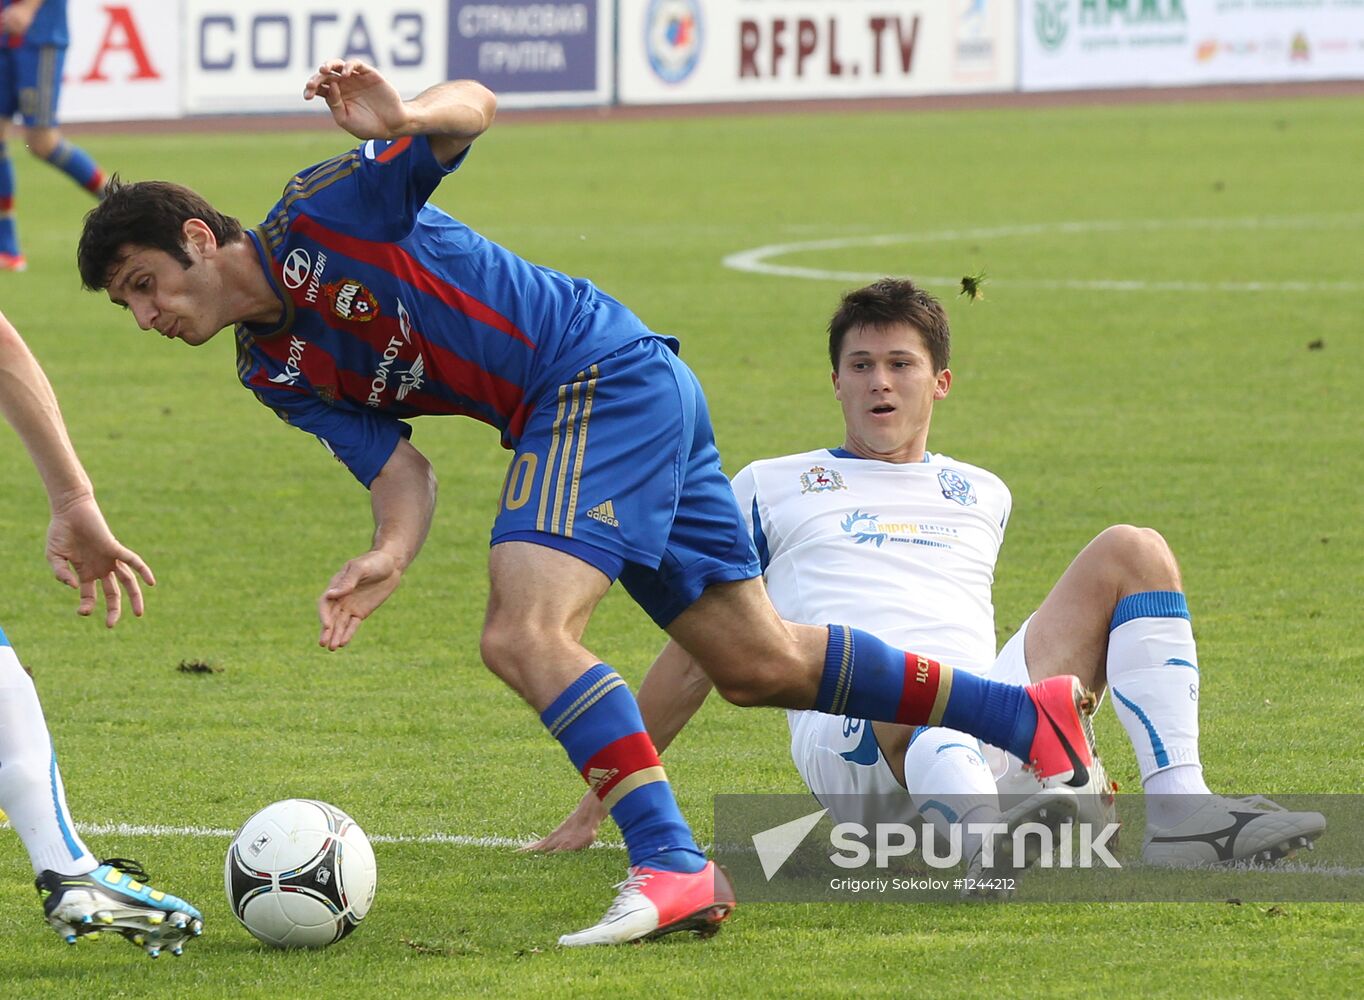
1225	831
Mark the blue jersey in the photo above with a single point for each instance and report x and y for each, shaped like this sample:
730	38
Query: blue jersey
394	309
48	27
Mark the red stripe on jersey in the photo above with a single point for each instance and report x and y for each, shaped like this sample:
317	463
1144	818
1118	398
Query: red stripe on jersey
517	424
920	690
616	761
394	150
398	262
442	366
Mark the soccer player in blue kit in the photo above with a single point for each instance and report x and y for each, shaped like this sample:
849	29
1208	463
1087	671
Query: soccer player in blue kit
33	41
357	305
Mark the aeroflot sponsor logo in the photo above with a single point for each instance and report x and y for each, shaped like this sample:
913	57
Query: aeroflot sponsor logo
412	378
292	365
408	380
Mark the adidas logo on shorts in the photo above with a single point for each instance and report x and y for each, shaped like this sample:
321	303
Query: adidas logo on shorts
605	513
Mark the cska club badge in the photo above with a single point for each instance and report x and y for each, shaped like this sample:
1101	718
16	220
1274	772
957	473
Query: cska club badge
351	300
821	480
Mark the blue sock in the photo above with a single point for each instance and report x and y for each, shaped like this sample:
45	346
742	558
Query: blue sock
77	164
9	231
598	722
864	678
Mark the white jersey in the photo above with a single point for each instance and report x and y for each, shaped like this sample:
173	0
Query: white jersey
827	524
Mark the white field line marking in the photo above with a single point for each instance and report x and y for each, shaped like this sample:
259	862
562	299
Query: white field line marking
759	259
464	840
455	839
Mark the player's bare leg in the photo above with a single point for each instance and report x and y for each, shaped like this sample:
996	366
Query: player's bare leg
1070	631
540	604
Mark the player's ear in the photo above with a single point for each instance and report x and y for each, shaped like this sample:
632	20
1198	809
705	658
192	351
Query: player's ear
834	375
943	384
198	235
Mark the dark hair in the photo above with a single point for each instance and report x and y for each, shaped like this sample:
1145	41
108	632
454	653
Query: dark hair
145	214
892	302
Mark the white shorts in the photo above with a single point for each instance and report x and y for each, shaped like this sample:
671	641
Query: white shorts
842	764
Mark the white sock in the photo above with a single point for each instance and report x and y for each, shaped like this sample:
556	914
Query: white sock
1153	674
950	782
31	790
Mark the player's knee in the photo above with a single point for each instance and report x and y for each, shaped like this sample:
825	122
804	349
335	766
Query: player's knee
1141	556
41	143
511	646
500	644
754	686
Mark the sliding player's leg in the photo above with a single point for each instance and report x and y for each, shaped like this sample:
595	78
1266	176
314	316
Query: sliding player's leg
1118	616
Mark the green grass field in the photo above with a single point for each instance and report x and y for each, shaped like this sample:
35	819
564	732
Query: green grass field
1214	393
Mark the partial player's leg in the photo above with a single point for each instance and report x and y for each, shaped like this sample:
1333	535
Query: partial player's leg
40	69
755	658
1118	616
540	603
11	257
50	146
937	777
80	895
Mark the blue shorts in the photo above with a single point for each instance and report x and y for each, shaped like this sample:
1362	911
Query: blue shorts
31	82
619	468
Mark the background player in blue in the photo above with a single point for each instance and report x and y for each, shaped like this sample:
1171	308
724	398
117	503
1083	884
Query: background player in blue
33	40
357	304
80	895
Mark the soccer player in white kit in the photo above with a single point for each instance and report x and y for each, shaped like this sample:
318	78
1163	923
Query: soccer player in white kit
904	542
80	894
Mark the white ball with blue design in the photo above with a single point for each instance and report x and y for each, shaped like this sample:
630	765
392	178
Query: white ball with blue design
300	874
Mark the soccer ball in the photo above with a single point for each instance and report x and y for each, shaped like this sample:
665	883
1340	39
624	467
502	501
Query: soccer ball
300	874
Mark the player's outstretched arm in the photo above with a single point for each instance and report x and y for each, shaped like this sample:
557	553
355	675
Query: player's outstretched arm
367	106
80	547
403	497
670	694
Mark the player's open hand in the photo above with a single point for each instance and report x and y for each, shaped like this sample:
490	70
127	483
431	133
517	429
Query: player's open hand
577	831
361	101
363	584
83	553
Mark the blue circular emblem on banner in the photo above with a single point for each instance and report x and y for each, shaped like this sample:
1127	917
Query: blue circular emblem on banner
672	38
